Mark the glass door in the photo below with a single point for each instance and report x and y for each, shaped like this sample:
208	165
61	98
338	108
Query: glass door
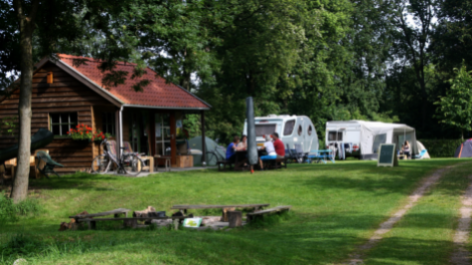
162	134
138	134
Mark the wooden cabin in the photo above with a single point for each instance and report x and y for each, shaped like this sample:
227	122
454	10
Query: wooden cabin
69	91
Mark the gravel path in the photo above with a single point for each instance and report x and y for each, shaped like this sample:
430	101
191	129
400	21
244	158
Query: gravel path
461	255
385	227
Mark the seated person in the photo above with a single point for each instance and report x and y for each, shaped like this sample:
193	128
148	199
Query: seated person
242	146
269	148
406	150
278	145
231	150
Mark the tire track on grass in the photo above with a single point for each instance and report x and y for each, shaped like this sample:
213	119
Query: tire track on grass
461	254
357	257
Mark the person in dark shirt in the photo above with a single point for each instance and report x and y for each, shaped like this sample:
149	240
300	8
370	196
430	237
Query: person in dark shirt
231	150
278	145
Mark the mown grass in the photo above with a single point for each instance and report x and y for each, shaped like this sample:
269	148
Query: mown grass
424	235
335	208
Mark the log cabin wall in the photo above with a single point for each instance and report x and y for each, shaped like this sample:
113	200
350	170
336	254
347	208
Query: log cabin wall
65	94
97	124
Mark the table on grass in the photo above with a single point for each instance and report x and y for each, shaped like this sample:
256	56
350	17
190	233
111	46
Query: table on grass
224	208
321	156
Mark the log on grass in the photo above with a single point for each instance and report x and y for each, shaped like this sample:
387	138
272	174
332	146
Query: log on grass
235	218
145	212
224	217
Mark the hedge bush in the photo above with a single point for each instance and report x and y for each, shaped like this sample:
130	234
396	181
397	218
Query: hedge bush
441	147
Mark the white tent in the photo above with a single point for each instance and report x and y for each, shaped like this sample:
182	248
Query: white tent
420	150
369	135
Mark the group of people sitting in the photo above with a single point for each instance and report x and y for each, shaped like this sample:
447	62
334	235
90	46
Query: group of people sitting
273	146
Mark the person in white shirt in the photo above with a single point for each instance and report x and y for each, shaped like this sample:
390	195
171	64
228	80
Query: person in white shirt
270	149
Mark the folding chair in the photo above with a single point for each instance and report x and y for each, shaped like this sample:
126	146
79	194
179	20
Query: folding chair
148	161
45	164
290	154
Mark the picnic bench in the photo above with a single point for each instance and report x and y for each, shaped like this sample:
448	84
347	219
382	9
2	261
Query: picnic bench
275	163
278	209
321	156
222	165
131	222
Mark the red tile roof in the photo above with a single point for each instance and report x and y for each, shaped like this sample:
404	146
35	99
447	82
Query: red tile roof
157	94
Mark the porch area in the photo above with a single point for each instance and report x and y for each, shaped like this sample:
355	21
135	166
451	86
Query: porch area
157	134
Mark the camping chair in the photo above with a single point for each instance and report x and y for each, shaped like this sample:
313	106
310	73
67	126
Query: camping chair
8	165
44	159
290	154
34	172
421	154
112	151
127	149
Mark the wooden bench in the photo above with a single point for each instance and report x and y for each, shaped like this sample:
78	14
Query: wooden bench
224	208
131	222
278	210
274	163
117	212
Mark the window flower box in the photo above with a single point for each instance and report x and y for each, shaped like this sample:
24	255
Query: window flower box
84	132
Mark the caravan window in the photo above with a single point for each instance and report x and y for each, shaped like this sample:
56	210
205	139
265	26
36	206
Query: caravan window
289	126
300	130
265	129
332	136
310	130
378	140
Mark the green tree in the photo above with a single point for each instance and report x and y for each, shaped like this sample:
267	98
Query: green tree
452	40
259	43
411	42
31	29
455	108
21	28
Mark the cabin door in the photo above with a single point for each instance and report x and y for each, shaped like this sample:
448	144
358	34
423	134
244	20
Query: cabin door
139	132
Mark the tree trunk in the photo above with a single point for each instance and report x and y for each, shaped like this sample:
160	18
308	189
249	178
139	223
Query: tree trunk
20	184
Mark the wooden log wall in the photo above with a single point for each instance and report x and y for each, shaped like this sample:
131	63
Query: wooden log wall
65	94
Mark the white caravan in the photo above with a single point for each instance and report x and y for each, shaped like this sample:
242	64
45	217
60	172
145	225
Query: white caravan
362	138
291	129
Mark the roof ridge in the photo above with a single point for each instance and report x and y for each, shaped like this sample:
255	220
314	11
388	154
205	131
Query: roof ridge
94	60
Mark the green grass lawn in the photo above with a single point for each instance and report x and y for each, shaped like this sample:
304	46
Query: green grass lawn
424	235
335	208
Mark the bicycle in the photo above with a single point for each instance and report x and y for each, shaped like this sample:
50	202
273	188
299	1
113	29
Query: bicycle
129	163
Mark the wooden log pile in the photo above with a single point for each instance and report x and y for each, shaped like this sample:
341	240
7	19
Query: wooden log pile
72	225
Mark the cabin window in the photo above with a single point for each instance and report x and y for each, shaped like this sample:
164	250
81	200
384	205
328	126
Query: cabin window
289	126
108	123
265	129
332	136
300	130
61	123
310	130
